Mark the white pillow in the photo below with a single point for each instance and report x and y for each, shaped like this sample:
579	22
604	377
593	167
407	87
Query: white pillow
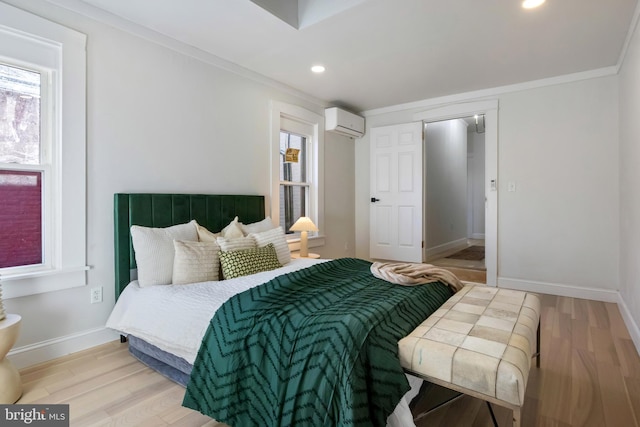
154	251
236	244
195	262
258	227
275	236
232	230
205	235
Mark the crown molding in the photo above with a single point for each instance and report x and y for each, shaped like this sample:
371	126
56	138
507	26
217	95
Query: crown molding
632	29
495	91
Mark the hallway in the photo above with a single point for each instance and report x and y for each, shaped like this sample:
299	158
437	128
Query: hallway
469	269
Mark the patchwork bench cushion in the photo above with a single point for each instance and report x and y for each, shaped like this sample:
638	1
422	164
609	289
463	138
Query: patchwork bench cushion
481	340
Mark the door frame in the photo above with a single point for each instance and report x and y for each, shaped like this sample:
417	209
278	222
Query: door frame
490	109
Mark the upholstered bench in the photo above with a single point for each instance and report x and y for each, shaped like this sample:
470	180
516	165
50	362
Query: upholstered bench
479	343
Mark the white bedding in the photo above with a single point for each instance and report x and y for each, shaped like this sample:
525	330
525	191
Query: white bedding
174	318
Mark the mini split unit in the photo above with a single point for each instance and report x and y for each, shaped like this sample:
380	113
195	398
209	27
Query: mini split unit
343	122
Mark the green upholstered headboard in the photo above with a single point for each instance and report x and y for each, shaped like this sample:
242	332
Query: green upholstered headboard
163	210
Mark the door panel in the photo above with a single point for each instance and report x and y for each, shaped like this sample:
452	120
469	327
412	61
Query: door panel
383	175
396	185
405	172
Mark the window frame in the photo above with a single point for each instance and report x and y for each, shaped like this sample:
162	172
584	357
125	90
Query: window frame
46	167
282	113
32	42
304	131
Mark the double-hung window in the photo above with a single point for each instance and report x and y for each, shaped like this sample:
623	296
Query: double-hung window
42	154
25	167
296	161
297	169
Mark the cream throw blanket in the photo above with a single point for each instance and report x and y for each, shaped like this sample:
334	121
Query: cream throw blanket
411	274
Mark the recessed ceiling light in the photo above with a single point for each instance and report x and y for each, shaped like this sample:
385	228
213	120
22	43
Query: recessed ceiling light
530	4
318	69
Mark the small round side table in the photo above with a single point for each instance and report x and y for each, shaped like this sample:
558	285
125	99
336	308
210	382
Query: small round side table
10	384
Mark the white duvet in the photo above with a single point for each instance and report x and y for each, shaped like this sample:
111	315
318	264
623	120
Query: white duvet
174	318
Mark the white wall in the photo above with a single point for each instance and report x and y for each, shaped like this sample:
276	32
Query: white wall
630	185
476	154
339	210
445	184
559	145
161	121
560	230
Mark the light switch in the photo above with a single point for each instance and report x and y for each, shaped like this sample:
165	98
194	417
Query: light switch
511	186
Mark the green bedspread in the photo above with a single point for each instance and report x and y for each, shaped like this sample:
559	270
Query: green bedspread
316	347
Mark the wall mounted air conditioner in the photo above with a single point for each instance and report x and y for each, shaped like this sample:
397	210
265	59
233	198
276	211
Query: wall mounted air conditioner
343	122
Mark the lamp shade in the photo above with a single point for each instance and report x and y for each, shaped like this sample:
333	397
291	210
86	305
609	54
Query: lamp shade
304	224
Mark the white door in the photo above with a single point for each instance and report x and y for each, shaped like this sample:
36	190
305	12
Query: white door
396	193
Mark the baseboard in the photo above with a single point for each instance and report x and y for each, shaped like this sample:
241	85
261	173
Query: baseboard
632	326
44	351
460	243
596	294
479	236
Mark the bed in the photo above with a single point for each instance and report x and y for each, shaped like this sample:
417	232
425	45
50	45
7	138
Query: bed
164	324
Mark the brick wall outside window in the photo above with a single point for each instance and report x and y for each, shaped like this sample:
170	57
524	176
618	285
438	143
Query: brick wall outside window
20	218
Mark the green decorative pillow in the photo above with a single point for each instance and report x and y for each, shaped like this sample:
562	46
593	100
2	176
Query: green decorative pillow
248	261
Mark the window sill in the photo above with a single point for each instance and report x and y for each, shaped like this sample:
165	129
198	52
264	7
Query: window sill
312	242
38	282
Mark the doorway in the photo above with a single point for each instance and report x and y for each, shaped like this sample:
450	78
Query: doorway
454	217
489	109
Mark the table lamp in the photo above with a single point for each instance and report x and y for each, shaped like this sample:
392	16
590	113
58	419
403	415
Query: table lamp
304	225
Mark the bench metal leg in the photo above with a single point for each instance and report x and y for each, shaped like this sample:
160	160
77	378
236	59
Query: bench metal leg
423	414
538	346
123	339
537	353
493	416
516	417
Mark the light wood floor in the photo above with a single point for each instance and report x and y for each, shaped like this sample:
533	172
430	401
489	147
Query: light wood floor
465	270
468	275
589	376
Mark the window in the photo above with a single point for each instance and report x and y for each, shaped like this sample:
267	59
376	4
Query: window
296	191
23	167
297	179
42	128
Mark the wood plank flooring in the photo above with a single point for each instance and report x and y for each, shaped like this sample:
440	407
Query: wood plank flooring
466	270
589	376
469	275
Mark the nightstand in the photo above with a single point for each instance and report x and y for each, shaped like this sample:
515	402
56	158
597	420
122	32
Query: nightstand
10	384
295	255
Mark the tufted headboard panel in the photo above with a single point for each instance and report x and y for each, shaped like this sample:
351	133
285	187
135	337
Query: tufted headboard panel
163	210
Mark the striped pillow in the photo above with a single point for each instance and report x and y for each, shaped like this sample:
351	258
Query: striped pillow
276	237
236	244
195	262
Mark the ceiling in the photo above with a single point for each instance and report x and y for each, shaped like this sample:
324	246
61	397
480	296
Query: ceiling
379	53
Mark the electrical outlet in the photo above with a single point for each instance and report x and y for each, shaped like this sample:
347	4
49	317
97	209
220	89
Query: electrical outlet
96	295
